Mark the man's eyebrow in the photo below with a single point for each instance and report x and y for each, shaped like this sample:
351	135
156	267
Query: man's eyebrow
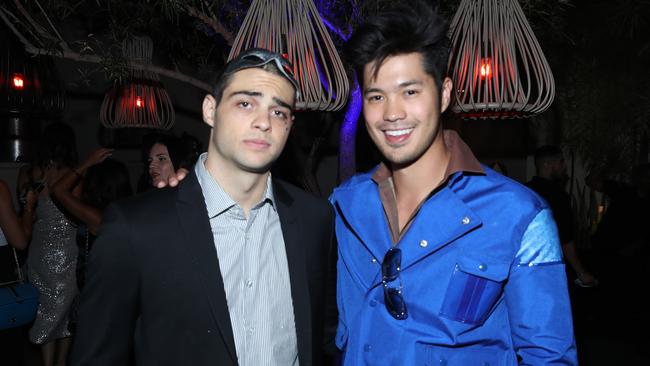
249	93
401	85
282	103
409	83
372	90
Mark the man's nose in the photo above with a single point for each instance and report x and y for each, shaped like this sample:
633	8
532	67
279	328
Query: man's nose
262	121
394	111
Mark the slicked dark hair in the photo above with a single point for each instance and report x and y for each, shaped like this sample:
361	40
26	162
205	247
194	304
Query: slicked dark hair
402	29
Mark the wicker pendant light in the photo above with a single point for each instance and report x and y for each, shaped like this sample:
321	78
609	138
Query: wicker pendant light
141	100
496	63
295	29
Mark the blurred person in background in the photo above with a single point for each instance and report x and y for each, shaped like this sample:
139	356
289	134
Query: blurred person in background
52	256
86	191
15	231
549	181
164	155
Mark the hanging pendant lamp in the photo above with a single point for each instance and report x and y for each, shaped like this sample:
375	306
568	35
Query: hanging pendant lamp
141	100
496	63
294	28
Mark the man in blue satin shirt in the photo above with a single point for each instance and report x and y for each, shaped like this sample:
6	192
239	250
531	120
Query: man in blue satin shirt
442	261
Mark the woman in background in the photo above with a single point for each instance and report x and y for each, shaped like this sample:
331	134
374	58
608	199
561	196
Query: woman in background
52	256
85	192
164	155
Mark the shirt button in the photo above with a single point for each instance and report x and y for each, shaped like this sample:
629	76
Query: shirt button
483	267
443	362
367	347
373	303
249	283
465	220
424	243
373	260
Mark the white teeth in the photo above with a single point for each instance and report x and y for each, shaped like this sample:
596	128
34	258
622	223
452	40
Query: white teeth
398	132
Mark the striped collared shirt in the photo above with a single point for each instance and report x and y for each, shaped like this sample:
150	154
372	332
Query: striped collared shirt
253	264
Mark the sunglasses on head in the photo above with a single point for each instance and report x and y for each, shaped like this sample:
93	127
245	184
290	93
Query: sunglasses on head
258	57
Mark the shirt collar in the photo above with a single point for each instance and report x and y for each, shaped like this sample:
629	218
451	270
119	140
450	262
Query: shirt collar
217	201
461	159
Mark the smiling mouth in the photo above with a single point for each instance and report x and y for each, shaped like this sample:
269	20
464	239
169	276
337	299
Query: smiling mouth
397	133
398	136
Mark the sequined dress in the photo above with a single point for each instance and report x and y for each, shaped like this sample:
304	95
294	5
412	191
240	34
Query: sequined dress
51	266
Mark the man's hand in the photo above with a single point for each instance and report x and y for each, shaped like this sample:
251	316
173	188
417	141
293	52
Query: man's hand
586	279
94	158
174	179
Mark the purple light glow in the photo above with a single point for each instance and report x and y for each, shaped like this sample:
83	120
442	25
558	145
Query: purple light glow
347	134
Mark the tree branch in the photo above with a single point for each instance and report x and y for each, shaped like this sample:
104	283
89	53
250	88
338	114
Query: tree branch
70	55
10	25
37	27
212	22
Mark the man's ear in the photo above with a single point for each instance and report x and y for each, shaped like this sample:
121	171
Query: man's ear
209	110
447	84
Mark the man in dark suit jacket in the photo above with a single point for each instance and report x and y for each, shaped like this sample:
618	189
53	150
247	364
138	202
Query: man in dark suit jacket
170	284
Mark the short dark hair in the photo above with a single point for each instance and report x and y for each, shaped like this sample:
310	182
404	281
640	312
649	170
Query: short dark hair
57	146
106	182
402	29
547	153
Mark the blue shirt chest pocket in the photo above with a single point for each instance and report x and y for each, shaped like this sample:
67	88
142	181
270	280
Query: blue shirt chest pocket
475	287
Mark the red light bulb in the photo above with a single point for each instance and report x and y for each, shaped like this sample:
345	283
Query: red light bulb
139	102
486	70
18	82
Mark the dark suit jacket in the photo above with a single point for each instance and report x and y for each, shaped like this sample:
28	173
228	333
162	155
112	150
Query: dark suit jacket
154	290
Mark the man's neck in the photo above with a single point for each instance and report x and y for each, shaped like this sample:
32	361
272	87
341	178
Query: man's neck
425	173
414	182
245	188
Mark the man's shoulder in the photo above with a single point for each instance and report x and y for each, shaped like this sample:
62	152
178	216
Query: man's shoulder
153	197
149	204
506	190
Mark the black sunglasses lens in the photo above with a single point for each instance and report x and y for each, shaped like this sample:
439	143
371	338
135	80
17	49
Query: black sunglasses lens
395	303
391	264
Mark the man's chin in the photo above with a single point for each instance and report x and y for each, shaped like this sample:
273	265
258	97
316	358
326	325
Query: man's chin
397	160
256	168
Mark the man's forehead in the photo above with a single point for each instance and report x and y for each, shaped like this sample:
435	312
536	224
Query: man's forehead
396	70
259	82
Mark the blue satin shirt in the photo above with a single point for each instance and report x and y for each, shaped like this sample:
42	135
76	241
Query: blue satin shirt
482	277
